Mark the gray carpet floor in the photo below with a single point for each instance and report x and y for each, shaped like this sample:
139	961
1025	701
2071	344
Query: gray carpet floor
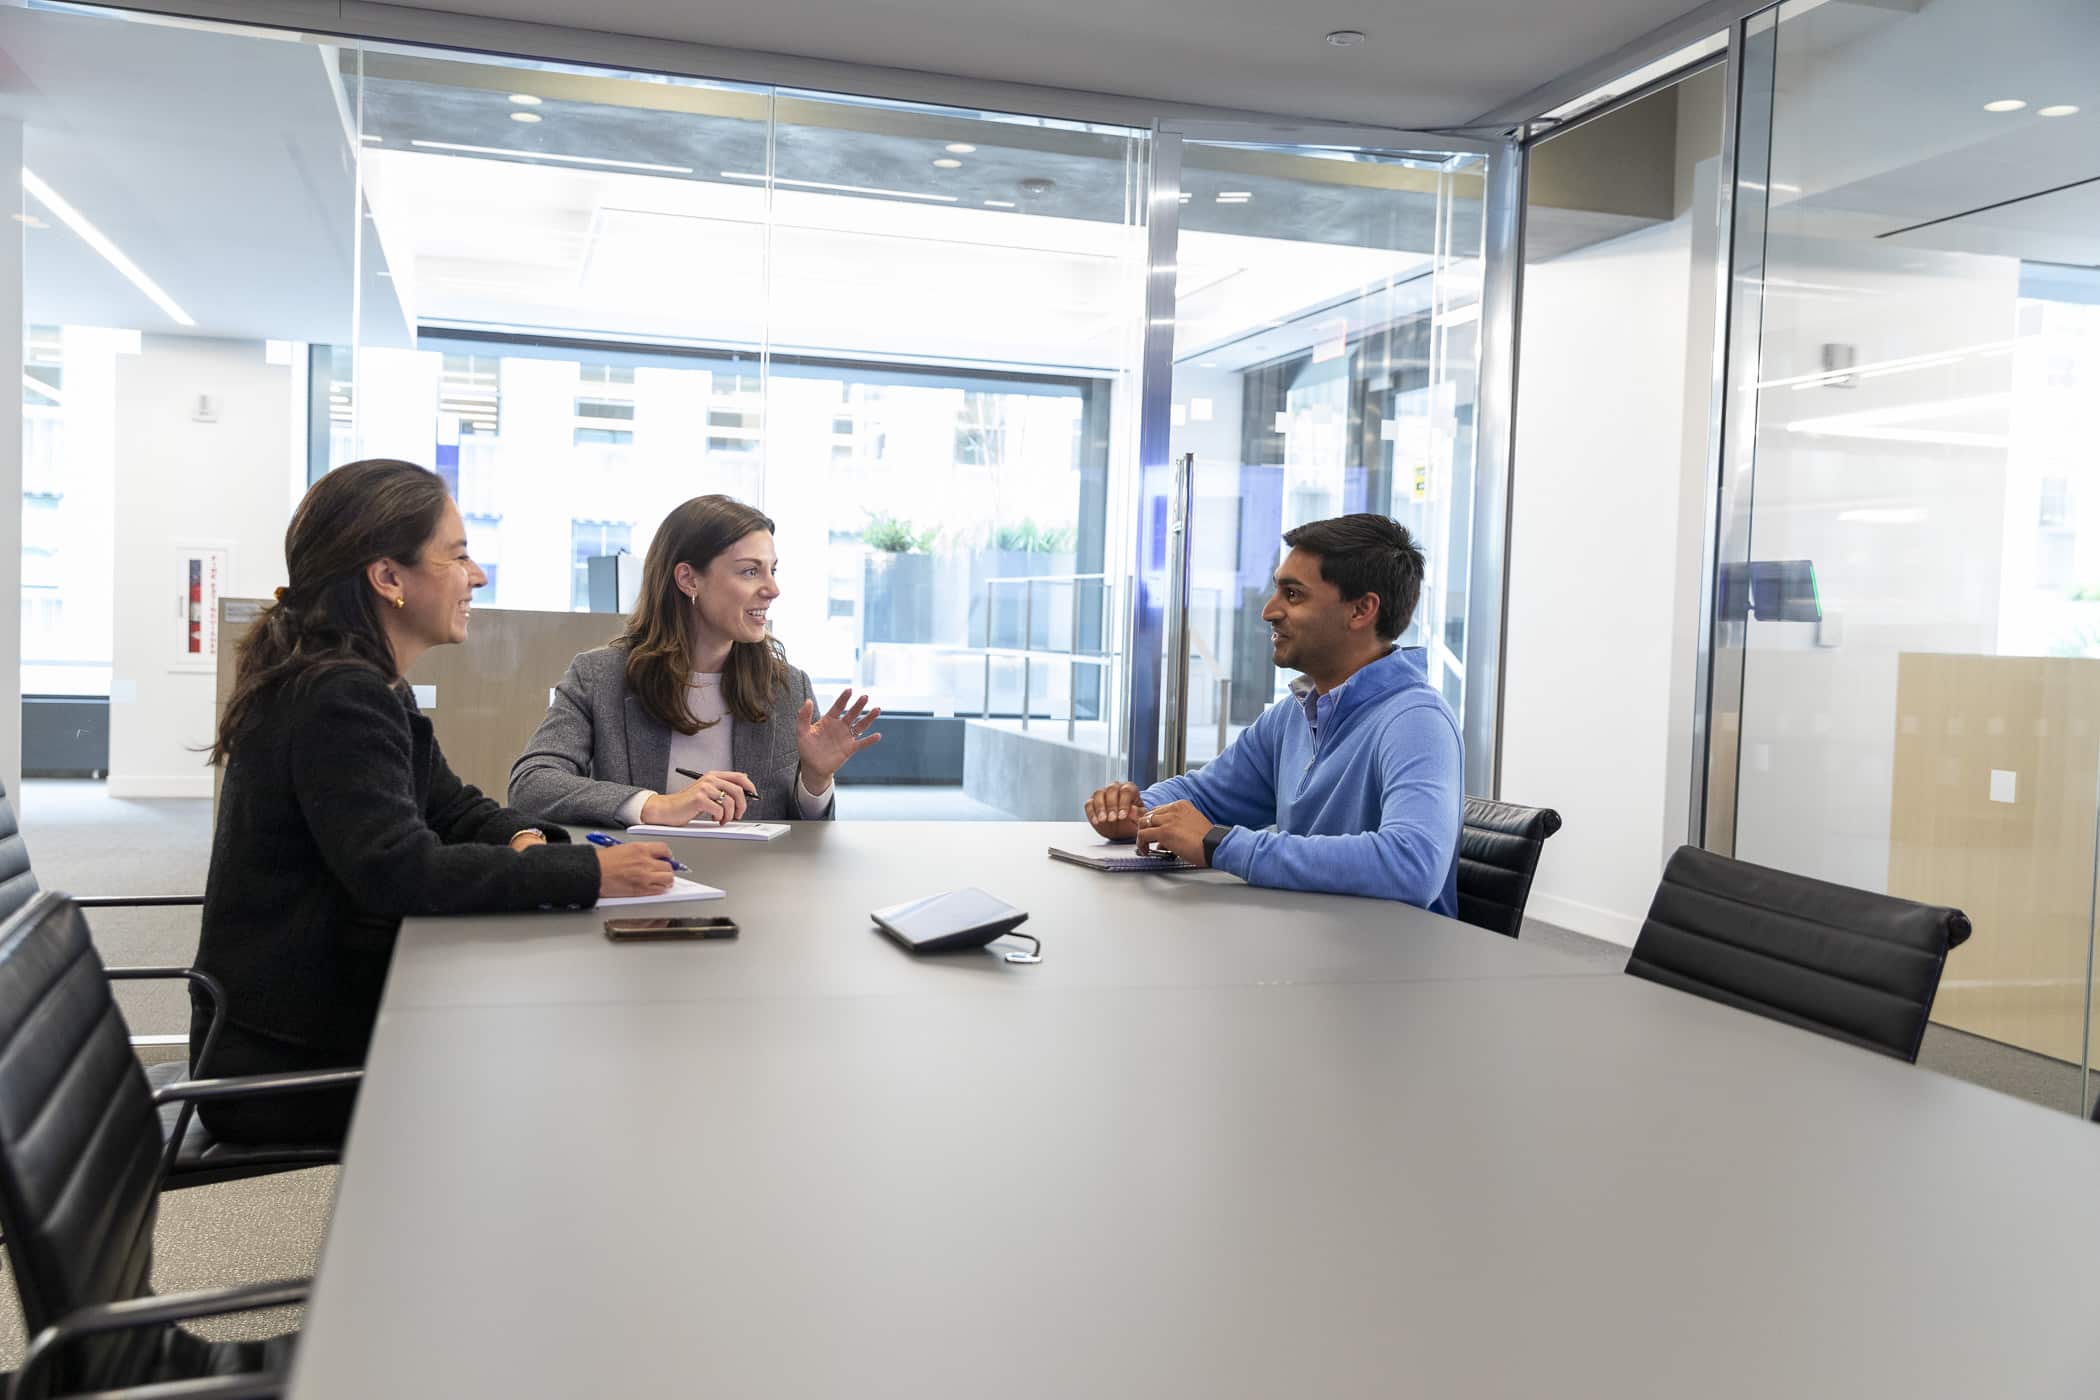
85	842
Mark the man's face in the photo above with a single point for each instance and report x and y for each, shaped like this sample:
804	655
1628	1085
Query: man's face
1308	621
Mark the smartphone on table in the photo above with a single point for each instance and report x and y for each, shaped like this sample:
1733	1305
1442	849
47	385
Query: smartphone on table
652	930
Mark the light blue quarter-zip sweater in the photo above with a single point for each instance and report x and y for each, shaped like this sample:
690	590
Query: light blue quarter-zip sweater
1361	790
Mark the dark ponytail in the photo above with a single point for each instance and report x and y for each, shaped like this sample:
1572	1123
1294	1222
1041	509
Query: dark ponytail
327	616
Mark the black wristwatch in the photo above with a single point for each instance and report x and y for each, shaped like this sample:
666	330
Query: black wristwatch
1212	839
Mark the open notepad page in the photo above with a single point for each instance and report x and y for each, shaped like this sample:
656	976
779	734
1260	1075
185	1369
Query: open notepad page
733	831
1117	856
681	889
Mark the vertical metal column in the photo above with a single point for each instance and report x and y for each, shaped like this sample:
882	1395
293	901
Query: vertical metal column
1487	585
1174	755
1746	158
1148	643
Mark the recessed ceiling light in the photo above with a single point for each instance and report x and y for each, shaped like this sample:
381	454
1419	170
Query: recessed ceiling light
368	136
524	99
527	117
1235	196
961	148
2061	109
1000	204
1346	38
2004	104
947	163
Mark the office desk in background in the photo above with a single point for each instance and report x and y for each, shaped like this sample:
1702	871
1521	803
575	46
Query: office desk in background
1221	1142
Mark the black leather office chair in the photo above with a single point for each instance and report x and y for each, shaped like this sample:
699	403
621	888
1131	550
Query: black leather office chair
80	1156
1498	852
193	1156
1845	963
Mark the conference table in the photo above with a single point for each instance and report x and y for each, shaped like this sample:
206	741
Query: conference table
1220	1141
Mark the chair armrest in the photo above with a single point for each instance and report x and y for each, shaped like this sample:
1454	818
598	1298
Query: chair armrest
261	1385
196	978
160	1311
255	1086
136	901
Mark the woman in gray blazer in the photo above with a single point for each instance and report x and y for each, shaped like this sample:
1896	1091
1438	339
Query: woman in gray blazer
695	685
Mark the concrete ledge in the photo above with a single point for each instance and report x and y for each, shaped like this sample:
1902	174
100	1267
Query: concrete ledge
925	749
65	736
1037	776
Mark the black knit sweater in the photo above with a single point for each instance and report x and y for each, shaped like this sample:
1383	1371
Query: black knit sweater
338	816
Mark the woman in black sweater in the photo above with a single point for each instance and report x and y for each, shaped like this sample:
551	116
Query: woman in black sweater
338	814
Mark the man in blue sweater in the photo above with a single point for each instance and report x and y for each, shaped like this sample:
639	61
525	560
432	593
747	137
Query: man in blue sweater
1355	785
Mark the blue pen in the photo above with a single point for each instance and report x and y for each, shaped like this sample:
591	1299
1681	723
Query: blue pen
599	838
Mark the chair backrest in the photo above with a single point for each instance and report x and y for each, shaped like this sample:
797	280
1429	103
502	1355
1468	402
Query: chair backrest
1498	852
17	882
80	1142
1857	966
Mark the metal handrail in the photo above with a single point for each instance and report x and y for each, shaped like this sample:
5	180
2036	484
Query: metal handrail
1073	656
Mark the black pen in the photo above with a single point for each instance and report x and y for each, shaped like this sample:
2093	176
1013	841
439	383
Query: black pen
696	777
599	838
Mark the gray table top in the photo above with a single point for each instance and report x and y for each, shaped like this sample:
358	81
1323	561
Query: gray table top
803	903
1499	1185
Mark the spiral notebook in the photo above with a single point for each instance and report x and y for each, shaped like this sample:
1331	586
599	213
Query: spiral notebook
1118	856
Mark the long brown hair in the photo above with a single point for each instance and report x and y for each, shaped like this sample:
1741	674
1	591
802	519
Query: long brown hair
327	616
658	637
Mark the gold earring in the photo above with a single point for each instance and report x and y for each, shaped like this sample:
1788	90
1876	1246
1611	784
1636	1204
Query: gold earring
400	602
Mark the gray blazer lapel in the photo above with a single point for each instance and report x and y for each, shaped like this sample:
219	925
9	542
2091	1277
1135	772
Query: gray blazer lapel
648	748
749	745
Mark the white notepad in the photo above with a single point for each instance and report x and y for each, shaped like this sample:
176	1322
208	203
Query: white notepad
681	889
734	831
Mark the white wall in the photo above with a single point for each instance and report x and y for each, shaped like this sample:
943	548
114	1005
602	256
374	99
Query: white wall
180	481
1595	635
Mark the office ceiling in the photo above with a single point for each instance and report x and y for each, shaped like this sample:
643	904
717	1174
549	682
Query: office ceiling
220	166
1865	147
224	164
1423	63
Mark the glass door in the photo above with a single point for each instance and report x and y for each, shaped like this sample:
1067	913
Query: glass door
1907	591
1326	349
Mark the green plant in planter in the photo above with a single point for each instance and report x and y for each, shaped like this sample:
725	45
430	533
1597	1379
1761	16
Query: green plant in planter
1031	538
890	535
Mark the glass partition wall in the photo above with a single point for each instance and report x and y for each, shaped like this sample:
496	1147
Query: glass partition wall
916	336
1326	361
1906	688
